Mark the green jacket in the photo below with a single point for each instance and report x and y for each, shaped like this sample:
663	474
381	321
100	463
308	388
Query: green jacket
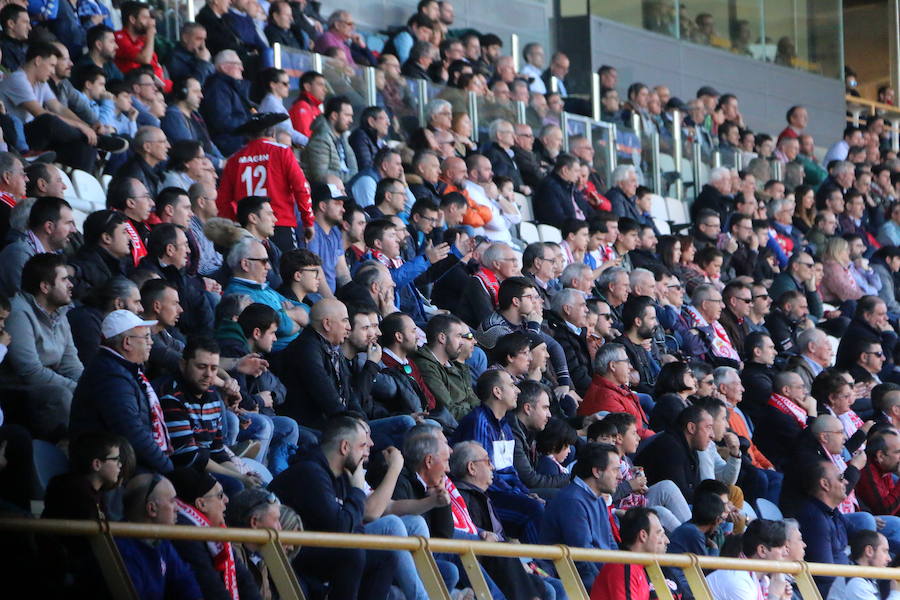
451	384
813	173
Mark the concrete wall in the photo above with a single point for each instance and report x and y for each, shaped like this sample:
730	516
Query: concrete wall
765	91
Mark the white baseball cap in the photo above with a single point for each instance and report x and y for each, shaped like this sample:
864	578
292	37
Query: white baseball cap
120	321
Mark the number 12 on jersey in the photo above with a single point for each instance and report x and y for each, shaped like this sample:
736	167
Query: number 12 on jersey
254	177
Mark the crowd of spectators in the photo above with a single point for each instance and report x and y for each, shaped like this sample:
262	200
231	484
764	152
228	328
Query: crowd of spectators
299	312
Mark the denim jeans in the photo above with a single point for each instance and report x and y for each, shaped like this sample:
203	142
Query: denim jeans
862	520
390	431
406	576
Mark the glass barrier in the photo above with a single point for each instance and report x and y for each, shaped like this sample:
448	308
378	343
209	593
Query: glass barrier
345	80
603	139
801	35
295	63
399	96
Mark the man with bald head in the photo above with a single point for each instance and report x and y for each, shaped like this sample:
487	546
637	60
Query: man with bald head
788	412
151	148
320	389
155	566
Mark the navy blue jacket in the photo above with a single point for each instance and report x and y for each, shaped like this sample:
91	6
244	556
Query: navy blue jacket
157	571
825	533
109	397
184	64
178	127
668	456
621	205
198	314
323	501
362	140
576	517
504	164
553	201
225	107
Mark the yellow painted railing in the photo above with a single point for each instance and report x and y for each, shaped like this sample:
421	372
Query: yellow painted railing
101	534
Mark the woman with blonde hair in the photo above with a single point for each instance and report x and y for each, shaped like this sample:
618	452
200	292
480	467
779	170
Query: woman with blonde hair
838	284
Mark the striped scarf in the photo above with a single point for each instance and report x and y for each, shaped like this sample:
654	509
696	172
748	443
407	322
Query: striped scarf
462	520
222	556
721	343
491	285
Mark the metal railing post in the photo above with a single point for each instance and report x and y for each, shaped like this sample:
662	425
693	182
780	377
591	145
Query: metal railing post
777	170
636	125
280	569
476	577
422	100
696	580
318	61
738	160
716	159
612	155
568	574
276	55
428	572
806	585
695	171
521	114
677	153
595	96
658	579
554	84
564	125
514	49
655	175
473	114
111	564
895	135
371	91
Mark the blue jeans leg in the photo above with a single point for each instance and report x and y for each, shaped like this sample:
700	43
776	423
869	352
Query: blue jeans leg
521	515
230	425
858	521
390	431
496	594
406	577
891	531
261	429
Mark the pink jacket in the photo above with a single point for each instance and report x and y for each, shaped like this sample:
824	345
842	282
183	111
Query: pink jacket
838	284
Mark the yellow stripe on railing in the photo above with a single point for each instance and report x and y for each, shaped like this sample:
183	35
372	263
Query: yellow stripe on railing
562	556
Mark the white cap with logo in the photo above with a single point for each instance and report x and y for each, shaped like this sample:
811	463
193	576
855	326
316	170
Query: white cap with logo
120	321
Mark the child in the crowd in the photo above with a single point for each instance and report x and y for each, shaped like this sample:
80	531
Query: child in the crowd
90	80
125	118
553	445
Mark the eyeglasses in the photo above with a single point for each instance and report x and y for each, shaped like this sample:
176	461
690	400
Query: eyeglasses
747	300
879	353
283	82
316	271
757	297
219	495
118	459
605	315
146	338
143	197
674	286
530	296
261	260
486	459
467	336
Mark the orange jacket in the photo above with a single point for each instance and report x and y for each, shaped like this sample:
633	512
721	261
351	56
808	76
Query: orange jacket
739	426
476	215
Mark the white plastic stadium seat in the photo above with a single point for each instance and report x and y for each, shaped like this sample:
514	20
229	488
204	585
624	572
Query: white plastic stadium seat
550	233
49	461
768	510
89	189
528	232
104	181
71	196
659	214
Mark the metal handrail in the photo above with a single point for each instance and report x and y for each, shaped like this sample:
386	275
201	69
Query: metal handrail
271	543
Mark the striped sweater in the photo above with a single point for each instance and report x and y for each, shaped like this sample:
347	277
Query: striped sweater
194	424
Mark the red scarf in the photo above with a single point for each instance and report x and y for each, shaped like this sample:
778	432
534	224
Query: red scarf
157	420
8	199
490	283
223	557
789	407
462	520
138	249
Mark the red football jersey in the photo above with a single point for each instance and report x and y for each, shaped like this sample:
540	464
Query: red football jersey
266	168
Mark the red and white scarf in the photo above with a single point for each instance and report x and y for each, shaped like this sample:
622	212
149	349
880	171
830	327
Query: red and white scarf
850	421
157	420
462	520
8	199
390	263
789	407
491	285
138	249
223	557
849	504
721	343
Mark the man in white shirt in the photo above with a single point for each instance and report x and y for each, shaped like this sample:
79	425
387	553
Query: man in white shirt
533	53
867	549
480	186
763	540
